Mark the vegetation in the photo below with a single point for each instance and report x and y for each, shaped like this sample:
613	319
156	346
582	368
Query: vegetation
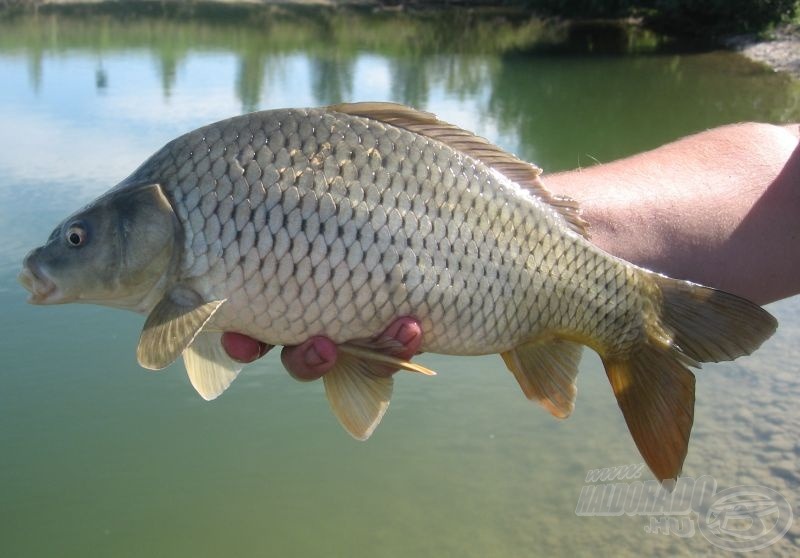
681	17
458	51
285	30
723	16
684	17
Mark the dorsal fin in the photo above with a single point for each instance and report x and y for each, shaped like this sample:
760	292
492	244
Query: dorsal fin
507	164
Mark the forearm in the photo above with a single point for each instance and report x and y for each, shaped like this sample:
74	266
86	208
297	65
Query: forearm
721	208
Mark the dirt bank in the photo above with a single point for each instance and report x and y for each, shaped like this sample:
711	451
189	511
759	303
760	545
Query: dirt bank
781	51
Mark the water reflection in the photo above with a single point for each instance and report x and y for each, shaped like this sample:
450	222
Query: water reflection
332	77
332	39
250	74
410	81
643	102
516	67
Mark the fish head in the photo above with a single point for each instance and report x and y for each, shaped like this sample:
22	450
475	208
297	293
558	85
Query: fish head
119	251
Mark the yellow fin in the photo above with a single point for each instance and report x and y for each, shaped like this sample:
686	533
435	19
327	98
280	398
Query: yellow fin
171	327
709	325
209	367
507	164
375	351
546	371
656	394
358	397
654	387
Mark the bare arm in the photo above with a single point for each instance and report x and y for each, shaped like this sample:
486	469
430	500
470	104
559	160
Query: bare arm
721	208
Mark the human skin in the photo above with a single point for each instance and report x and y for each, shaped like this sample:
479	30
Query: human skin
718	208
316	356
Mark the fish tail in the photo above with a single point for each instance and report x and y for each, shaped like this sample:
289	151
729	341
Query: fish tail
710	325
652	382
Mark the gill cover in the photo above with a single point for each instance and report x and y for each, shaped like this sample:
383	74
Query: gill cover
118	251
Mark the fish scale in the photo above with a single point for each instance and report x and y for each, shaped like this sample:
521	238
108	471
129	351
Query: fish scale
367	185
336	221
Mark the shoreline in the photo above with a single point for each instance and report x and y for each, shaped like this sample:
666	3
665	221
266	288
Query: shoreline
780	51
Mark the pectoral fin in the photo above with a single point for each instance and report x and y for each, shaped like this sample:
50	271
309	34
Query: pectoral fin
546	371
171	327
358	397
210	368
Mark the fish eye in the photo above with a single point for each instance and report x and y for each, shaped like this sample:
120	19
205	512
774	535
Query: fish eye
76	235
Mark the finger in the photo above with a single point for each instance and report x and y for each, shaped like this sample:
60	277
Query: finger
408	333
310	360
243	348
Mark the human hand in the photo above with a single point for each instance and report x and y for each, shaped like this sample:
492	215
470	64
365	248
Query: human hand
315	357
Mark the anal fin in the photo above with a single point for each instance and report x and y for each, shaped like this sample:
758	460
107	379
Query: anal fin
546	371
358	397
209	367
358	393
656	394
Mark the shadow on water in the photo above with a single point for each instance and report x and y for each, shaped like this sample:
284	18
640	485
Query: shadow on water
605	96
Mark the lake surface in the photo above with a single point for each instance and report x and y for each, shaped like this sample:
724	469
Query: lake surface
102	458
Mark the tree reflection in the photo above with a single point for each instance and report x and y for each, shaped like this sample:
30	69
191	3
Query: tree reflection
168	62
561	90
410	80
332	78
333	39
250	78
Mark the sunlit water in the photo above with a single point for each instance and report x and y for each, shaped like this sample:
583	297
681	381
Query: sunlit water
102	458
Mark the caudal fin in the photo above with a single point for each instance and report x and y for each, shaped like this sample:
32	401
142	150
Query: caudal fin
656	395
654	387
710	325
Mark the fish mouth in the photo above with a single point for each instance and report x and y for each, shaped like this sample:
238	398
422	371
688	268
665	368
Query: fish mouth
43	290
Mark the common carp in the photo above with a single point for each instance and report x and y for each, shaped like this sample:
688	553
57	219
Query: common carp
334	221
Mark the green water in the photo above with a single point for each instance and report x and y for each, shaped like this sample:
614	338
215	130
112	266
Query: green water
101	458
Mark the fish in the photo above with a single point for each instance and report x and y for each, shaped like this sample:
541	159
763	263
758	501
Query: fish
289	223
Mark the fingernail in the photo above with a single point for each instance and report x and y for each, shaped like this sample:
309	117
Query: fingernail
406	334
312	357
